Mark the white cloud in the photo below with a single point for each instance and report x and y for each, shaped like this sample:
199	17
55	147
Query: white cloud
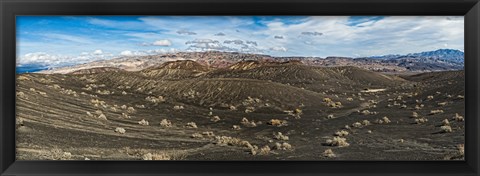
39	58
126	53
69	38
57	60
279	48
97	52
162	43
186	32
312	33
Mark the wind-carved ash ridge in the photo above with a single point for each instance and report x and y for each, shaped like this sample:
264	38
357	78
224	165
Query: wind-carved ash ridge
250	109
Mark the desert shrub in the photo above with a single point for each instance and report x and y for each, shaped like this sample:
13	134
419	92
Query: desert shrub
233	108
298	111
365	122
372	102
446	129
414	115
347	127
277	122
66	156
208	134
421	120
57	154
369	131
265	150
332	104
226	140
282	146
191	125
329	153
445	122
102	116
42	93
125	115
295	113
124	107
98	112
417	107
248	123
442	104
249	109
280	136
458	118
357	124
337	141
103	92
32	89
124	93
327	100
178	107
330	116
215	119
143	122
159	156
152	99
23	78
120	130
437	111
19	122
165	123
349	99
461	149
365	112
130	110
403	106
341	133
236	127
386	120
22	95
430	97
197	135
399	98
378	121
89	114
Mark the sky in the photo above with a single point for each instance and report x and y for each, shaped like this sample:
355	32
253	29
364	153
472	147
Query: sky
55	41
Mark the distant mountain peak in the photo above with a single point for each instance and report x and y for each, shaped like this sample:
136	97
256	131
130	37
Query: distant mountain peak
449	55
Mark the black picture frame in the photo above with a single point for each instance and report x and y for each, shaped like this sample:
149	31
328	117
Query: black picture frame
11	8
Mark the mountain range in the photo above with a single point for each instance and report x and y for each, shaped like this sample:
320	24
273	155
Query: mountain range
438	60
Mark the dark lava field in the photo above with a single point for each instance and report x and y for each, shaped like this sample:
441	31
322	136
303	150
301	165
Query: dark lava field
250	110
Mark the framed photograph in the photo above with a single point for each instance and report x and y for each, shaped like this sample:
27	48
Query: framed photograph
240	87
